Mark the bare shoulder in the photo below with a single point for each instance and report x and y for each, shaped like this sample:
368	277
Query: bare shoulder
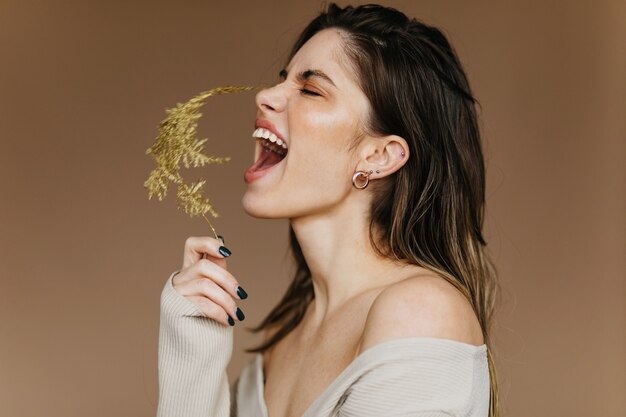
421	306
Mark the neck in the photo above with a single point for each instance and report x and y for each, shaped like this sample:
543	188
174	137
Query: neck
343	264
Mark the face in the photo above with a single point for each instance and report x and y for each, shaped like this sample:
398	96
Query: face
316	110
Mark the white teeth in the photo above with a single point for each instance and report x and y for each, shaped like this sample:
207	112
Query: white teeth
263	133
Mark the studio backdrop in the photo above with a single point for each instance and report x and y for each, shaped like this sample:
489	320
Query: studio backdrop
84	254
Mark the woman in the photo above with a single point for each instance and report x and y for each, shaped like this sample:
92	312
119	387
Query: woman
369	145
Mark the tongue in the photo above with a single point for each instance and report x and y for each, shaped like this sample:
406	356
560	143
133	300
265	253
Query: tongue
266	160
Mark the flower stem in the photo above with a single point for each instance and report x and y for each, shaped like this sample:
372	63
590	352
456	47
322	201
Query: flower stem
212	228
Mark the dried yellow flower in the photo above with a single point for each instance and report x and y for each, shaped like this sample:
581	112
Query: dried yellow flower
177	144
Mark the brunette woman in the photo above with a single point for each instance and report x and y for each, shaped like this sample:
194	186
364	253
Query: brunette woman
369	145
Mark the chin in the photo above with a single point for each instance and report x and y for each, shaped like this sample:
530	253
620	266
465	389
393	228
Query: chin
260	208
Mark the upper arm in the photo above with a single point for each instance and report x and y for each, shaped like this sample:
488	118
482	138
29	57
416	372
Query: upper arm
421	307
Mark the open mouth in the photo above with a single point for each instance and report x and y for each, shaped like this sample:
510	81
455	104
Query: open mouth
273	150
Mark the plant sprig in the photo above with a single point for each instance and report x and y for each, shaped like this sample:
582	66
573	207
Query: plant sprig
178	145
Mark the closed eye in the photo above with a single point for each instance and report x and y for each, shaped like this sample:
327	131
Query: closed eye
309	92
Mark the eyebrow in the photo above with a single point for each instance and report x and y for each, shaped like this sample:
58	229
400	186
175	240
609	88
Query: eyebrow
305	75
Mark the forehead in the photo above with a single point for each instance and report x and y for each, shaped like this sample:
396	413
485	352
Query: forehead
325	52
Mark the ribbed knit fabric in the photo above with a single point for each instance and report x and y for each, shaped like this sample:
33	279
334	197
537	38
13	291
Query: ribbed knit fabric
193	354
408	377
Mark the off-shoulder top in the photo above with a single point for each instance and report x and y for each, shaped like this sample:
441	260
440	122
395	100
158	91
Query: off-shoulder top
408	377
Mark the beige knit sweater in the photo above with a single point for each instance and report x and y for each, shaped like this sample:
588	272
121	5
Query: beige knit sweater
410	377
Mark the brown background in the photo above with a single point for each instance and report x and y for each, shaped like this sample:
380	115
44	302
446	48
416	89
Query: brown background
84	254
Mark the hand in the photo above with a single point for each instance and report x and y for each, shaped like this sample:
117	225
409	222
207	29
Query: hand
205	282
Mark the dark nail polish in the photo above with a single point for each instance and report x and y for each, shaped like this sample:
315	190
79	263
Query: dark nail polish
220	237
241	293
239	314
231	321
224	251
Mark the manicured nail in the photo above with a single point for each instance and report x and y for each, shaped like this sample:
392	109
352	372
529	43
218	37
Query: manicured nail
241	293
224	251
231	321
239	314
220	237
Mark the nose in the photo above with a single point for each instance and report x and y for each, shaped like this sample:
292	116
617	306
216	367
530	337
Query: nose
271	99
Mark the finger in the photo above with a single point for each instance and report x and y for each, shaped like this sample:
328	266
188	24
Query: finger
219	261
207	269
212	310
217	295
197	247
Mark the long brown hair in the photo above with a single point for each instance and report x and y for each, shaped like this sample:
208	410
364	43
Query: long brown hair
430	212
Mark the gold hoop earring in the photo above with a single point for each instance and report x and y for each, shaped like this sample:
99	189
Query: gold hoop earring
362	174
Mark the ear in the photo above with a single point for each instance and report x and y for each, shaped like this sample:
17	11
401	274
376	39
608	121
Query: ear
383	155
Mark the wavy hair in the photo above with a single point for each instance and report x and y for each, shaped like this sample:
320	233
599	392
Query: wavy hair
430	212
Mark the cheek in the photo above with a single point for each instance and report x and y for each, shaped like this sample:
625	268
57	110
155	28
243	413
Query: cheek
325	169
327	132
321	152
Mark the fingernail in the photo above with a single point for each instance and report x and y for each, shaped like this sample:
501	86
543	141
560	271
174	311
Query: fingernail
231	321
224	251
239	314
242	293
220	237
